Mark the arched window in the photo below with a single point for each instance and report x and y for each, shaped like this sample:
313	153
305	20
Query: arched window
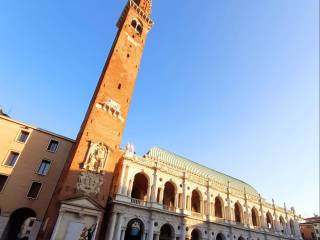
282	224
196	234
292	229
137	26
167	232
140	187
269	220
238	212
169	195
218	207
196	202
254	216
134	23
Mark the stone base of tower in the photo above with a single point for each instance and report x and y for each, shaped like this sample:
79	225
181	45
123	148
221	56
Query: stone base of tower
79	218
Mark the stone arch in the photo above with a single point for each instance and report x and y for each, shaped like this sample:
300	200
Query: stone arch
169	194
16	220
218	207
167	232
196	234
135	230
282	224
220	236
269	220
238	212
241	238
255	217
196	201
140	186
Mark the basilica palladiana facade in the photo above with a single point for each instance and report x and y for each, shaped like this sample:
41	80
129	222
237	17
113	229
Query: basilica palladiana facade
164	196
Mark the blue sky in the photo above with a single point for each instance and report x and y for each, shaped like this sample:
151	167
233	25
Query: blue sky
230	84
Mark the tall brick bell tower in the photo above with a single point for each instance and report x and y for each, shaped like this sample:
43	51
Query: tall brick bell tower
81	196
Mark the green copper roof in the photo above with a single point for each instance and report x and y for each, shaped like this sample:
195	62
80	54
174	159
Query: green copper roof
198	169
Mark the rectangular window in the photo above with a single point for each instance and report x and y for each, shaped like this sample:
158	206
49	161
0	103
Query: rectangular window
23	136
3	180
44	167
53	146
34	190
12	159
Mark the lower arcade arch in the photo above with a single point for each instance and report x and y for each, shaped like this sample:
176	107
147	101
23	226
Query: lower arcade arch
167	232
135	230
15	223
220	236
196	234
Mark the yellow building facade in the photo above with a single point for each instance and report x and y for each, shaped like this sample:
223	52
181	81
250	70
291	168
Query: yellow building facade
31	161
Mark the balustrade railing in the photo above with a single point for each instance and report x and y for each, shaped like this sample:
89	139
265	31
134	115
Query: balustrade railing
138	202
196	214
169	208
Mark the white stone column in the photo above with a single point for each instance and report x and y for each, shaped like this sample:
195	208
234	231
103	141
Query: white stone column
262	217
125	181
149	193
118	227
161	196
123	234
130	188
184	195
121	181
176	200
150	232
189	203
56	227
154	187
276	225
111	227
183	232
228	214
208	201
246	215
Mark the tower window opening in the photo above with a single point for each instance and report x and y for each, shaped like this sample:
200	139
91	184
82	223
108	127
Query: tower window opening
119	86
139	29
134	23
137	26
